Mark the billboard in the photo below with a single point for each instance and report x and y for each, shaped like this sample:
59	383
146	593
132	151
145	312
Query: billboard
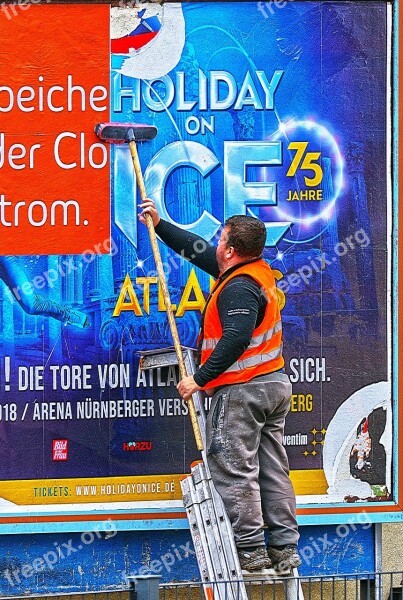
282	111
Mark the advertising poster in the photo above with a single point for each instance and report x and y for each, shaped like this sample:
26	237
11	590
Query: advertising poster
277	110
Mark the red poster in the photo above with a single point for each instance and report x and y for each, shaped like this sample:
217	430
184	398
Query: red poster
54	172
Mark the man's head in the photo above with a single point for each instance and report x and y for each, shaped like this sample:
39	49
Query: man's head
246	235
242	238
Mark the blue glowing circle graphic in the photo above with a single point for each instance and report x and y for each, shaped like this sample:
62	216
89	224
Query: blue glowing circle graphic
310	217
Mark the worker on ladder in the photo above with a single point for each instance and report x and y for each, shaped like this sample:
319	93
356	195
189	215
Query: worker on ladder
242	367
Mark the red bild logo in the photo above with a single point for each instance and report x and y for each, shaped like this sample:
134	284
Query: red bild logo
59	450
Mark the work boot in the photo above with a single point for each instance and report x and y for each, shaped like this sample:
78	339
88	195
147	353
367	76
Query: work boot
253	559
284	558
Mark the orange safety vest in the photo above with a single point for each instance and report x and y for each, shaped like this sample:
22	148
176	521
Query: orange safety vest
264	353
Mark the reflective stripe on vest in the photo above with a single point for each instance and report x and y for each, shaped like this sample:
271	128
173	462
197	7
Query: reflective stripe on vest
253	361
255	341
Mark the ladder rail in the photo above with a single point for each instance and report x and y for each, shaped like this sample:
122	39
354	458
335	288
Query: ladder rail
292	586
210	527
207	553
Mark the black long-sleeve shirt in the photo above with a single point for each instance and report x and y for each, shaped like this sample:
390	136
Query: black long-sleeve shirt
241	303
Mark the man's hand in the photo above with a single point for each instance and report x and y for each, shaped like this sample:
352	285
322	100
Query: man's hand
187	387
148	207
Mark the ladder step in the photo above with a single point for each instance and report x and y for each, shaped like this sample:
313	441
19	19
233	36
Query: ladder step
210	552
206	489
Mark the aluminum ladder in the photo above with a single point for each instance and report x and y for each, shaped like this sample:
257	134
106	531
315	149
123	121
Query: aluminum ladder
210	527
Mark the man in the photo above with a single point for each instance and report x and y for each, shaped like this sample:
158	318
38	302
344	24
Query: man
242	366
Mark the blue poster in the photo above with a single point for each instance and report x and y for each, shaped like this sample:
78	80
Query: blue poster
275	110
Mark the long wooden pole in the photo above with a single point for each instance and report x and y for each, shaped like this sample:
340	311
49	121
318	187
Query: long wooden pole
165	292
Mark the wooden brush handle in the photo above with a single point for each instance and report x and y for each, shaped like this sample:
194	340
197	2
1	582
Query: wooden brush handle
165	292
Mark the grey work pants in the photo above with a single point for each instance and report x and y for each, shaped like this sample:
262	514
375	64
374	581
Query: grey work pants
248	462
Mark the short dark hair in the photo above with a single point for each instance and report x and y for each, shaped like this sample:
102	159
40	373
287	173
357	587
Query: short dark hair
246	235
